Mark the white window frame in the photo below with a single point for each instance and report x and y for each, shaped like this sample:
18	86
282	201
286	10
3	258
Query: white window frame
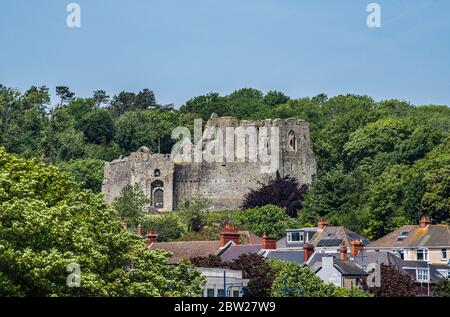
301	237
422	275
425	254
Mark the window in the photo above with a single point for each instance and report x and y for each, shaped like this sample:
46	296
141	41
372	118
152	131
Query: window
292	141
401	254
210	292
422	275
422	255
158	199
444	254
221	292
235	293
295	237
157	173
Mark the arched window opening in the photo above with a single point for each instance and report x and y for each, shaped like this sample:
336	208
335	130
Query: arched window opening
157	173
158	198
292	141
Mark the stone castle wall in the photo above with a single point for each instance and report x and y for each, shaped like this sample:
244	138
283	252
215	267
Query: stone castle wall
224	184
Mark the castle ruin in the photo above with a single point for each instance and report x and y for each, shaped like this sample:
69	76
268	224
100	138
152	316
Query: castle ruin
167	183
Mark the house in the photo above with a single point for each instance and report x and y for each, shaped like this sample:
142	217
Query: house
423	242
337	269
424	275
230	236
296	238
223	282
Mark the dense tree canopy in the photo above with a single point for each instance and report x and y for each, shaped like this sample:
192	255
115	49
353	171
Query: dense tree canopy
49	227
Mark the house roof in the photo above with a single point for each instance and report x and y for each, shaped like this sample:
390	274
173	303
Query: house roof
282	244
413	236
389	258
233	252
347	267
329	236
187	249
286	255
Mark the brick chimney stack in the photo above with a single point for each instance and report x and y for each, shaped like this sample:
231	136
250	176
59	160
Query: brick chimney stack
424	222
322	224
308	251
343	251
152	236
356	247
268	243
229	233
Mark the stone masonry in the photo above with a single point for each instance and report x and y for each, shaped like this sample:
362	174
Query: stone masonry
224	184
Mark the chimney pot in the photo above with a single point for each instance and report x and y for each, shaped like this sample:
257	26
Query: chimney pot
424	221
356	247
322	224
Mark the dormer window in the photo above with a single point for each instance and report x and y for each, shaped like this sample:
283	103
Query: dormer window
157	173
293	237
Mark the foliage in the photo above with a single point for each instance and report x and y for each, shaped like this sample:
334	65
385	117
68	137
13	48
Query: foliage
207	233
283	192
442	288
169	226
88	173
47	222
266	220
394	283
253	266
194	213
131	204
98	127
294	280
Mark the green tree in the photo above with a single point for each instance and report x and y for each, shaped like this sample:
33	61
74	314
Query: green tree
436	199
134	130
294	280
266	220
64	94
169	226
131	204
86	172
100	97
442	288
98	127
194	212
48	223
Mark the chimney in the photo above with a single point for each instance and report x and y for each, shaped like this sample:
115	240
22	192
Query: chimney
152	236
343	251
424	222
268	243
308	251
229	233
139	230
356	247
322	224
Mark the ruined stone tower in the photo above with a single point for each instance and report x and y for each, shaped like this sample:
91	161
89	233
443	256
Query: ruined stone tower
225	183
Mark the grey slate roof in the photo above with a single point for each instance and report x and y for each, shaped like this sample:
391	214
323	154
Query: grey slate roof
287	255
336	233
234	251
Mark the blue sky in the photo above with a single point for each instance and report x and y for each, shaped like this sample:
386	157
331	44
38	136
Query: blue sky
181	49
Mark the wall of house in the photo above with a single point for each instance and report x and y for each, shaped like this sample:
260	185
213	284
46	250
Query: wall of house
328	273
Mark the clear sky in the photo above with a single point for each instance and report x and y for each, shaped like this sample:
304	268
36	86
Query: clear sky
185	48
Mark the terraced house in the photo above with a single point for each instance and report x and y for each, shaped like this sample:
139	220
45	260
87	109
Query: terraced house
423	242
